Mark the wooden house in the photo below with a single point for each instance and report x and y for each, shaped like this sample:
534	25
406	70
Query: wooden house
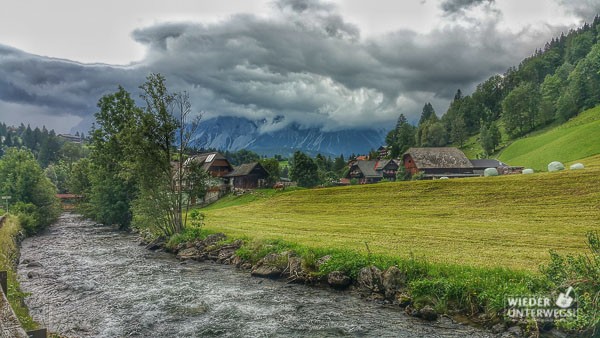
372	171
248	176
214	163
437	162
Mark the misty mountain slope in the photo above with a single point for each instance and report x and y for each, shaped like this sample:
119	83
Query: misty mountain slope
233	133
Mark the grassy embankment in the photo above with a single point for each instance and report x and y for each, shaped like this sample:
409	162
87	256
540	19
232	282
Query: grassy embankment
8	256
463	244
576	139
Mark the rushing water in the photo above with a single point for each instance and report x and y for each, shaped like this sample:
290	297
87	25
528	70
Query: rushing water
94	282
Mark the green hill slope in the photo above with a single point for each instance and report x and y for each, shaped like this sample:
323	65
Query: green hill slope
510	221
574	140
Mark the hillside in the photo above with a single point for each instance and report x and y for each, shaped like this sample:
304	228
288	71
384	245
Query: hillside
510	221
574	140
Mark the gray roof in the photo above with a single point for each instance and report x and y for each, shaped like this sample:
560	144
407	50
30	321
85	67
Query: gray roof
487	163
206	159
368	168
244	169
446	157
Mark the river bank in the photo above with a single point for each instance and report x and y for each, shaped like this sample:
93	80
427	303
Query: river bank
11	235
91	281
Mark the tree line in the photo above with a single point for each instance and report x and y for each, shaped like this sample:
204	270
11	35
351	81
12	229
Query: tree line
551	86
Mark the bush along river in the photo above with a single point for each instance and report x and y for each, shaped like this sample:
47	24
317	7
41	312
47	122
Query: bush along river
87	280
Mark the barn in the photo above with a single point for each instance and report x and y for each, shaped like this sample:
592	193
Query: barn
248	176
438	162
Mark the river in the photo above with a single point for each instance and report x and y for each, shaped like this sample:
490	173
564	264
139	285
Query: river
90	281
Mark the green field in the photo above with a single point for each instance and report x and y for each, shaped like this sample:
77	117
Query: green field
510	221
576	139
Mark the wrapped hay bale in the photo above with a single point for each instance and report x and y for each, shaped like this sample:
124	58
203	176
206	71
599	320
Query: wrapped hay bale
444	178
555	166
577	166
490	172
527	171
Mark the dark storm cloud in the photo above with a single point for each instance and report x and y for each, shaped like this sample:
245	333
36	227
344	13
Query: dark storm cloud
306	63
457	6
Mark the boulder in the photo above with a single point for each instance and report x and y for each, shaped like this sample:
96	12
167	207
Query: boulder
527	171
34	265
555	166
490	172
403	299
427	312
338	280
393	280
214	239
322	261
577	166
295	270
190	253
156	244
369	278
271	266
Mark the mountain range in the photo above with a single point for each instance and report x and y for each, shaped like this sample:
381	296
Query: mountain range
235	133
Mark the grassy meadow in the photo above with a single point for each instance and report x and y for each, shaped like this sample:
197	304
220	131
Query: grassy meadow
510	221
576	139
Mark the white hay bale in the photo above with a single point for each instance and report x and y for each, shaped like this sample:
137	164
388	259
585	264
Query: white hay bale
555	166
444	178
527	171
490	172
577	166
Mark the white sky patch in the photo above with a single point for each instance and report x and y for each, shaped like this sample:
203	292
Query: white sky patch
99	31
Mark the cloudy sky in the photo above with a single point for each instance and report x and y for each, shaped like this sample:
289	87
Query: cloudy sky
330	64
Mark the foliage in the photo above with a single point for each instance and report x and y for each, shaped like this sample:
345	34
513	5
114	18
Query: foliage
22	178
9	256
582	272
304	170
113	187
490	138
271	165
401	138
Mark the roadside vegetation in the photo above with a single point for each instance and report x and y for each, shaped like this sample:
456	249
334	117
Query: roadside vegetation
9	255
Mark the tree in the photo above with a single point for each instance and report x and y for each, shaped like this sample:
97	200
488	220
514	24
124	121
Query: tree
271	165
113	186
303	170
428	112
402	137
489	138
519	109
458	131
32	193
166	131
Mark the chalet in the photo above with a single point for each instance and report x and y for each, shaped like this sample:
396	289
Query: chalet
214	163
372	171
438	162
248	176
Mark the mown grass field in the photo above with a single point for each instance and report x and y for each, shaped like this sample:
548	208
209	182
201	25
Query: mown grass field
576	139
510	221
